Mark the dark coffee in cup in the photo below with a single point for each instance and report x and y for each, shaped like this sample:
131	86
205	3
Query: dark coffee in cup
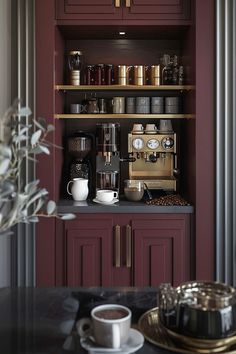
111	314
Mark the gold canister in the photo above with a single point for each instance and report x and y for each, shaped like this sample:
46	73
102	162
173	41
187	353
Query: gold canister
138	75
156	75
124	74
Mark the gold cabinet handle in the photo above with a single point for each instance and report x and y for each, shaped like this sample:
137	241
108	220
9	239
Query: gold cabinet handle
128	246
127	3
117	3
117	246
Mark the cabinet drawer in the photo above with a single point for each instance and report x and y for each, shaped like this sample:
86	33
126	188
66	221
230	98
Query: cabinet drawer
87	10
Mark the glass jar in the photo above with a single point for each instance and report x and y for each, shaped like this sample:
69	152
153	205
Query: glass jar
89	75
133	190
74	66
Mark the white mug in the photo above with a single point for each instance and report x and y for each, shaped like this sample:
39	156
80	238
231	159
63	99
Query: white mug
106	195
109	325
137	127
79	189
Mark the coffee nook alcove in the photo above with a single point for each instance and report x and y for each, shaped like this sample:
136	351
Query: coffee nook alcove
136	106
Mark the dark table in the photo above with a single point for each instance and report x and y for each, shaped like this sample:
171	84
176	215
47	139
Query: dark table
41	320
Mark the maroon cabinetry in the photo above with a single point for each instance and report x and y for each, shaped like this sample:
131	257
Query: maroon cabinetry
124	10
126	250
195	42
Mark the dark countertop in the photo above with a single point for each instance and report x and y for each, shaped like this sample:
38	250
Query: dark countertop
123	206
41	320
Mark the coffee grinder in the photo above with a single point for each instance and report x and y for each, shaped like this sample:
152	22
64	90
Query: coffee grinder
107	156
79	147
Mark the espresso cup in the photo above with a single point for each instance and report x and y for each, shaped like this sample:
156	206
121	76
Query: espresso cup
109	325
106	195
138	127
150	128
165	125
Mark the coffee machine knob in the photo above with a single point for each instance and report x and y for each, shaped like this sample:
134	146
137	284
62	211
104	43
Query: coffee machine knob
153	158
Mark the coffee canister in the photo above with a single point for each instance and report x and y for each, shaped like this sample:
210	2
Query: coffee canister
155	75
138	75
157	105
172	105
74	62
142	105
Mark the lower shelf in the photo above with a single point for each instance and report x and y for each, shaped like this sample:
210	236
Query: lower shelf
125	116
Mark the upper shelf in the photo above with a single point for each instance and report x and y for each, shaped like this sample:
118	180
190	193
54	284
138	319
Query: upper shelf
124	87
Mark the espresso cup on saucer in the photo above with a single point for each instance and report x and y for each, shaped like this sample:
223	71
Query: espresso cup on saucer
109	325
150	128
137	128
106	195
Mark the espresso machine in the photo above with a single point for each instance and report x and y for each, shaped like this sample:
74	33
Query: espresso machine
156	160
107	156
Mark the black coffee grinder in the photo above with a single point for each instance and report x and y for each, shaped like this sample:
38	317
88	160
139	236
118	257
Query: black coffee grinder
79	146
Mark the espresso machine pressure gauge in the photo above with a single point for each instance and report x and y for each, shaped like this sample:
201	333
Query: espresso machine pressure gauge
167	143
138	143
153	144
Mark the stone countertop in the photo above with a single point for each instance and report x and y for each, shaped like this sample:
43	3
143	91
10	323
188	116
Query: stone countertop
123	206
41	320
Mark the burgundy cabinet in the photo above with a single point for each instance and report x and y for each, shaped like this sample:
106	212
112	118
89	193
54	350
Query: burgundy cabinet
88	252
124	10
127	250
161	247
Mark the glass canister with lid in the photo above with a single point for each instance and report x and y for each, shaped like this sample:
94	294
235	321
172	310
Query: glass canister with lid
74	62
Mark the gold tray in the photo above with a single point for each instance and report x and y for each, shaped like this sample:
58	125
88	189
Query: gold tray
150	326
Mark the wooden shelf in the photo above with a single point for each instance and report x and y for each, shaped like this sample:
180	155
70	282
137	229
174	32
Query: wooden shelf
124	87
124	116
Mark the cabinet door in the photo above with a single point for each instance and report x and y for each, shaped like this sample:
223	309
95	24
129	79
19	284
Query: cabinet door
88	10
161	251
162	10
89	252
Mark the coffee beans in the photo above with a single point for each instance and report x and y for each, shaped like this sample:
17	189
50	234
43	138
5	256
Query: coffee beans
171	199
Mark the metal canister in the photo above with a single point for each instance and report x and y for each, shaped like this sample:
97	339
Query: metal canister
156	75
138	75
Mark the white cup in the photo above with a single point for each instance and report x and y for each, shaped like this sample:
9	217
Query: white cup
109	325
106	195
138	127
150	128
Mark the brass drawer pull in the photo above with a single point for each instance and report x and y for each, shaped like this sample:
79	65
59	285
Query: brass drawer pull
117	246
127	3
117	3
128	246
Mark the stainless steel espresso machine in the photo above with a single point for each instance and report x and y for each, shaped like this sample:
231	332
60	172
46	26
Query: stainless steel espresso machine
107	156
156	159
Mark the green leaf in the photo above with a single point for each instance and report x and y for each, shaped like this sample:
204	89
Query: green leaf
50	128
44	149
25	111
31	187
40	125
51	207
4	164
35	137
67	216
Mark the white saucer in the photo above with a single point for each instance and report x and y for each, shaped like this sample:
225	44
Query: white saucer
138	132
115	200
151	131
134	342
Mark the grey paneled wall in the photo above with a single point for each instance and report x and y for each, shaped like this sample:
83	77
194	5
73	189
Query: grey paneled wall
17	252
226	141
